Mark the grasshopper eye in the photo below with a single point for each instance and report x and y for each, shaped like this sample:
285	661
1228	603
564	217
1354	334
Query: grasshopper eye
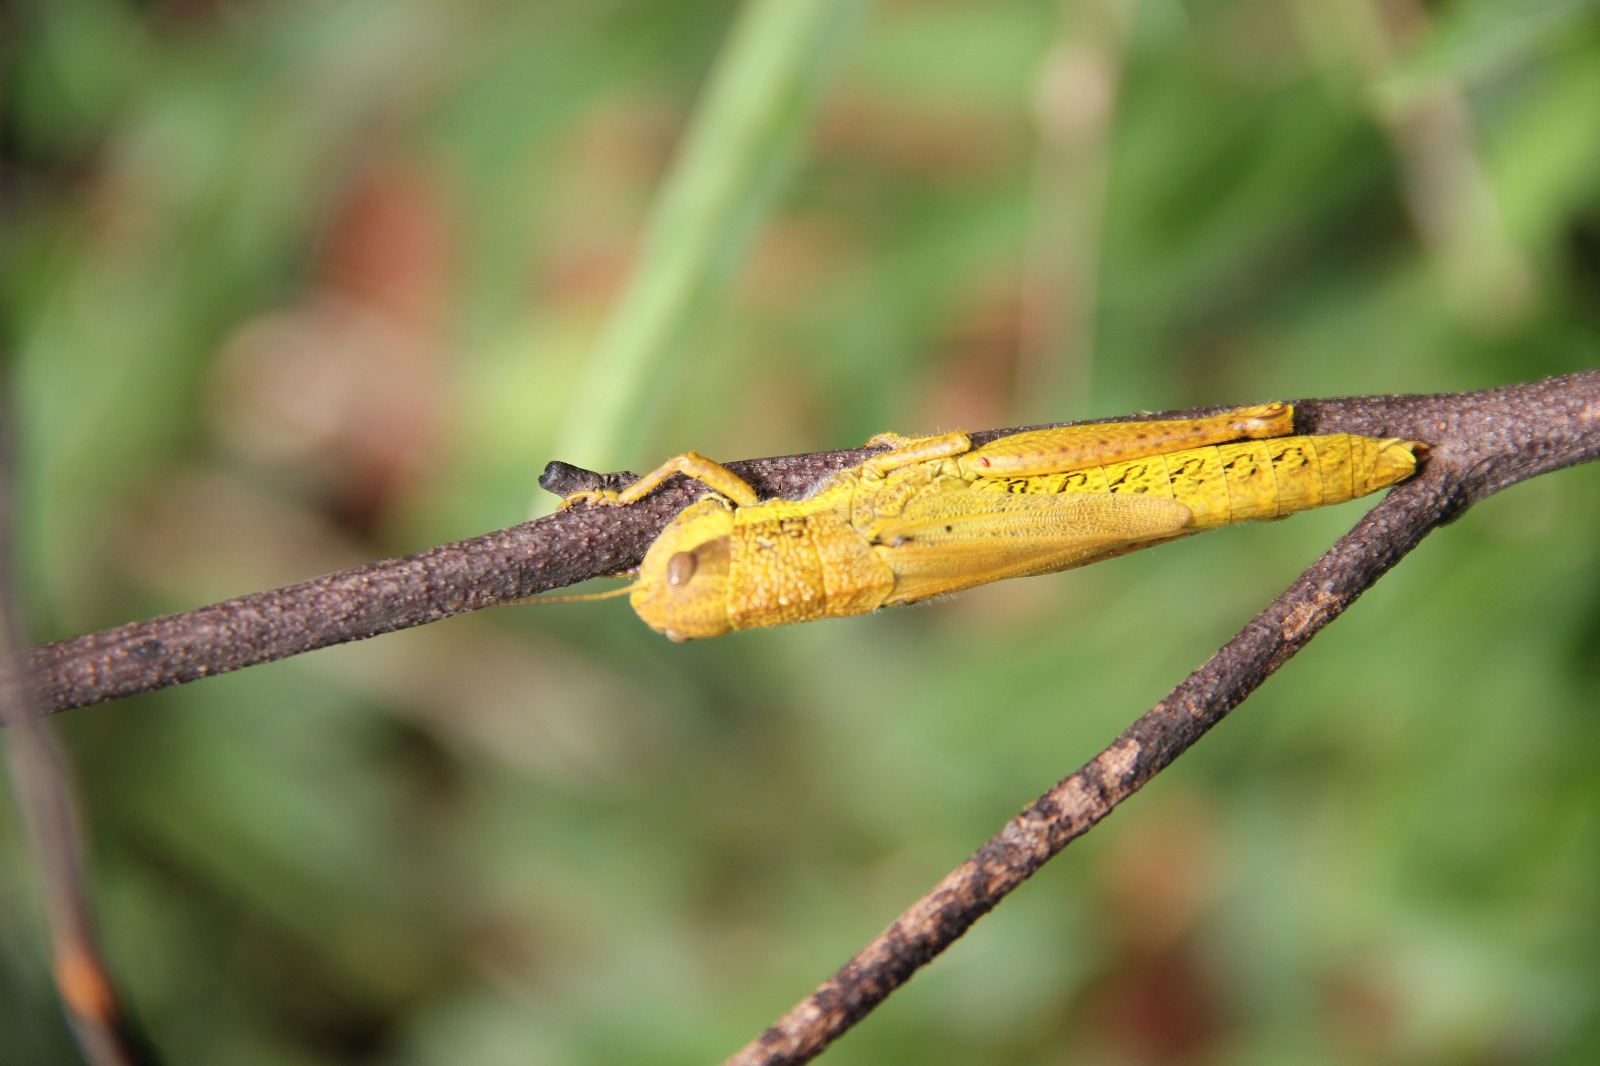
680	568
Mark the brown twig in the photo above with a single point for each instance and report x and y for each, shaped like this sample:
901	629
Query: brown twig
41	783
1479	443
581	543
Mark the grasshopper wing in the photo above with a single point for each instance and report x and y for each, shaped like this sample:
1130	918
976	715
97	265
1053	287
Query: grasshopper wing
951	540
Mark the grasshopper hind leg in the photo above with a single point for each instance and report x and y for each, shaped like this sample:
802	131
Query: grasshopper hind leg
1049	451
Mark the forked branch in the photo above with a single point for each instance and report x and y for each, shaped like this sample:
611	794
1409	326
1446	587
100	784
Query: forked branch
1479	444
1074	805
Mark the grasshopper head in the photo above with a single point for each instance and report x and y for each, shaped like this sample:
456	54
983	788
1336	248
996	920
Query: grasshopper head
682	587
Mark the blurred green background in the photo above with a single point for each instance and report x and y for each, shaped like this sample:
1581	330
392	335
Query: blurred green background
294	286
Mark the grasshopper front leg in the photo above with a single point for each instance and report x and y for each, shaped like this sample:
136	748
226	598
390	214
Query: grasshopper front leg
690	464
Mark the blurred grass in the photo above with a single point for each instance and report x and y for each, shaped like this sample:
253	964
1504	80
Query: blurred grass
295	286
753	112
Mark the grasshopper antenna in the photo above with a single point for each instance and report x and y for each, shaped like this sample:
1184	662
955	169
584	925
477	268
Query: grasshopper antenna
582	597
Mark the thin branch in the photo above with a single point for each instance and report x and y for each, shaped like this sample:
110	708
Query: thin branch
1480	443
42	786
47	802
1524	429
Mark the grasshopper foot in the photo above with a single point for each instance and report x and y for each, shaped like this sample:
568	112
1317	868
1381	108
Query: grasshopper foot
591	497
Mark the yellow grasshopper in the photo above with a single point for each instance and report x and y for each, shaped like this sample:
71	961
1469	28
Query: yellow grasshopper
934	515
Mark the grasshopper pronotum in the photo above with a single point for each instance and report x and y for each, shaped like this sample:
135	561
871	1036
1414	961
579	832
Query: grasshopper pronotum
934	515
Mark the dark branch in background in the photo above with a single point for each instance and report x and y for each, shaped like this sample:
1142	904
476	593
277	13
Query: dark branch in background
42	787
1482	440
